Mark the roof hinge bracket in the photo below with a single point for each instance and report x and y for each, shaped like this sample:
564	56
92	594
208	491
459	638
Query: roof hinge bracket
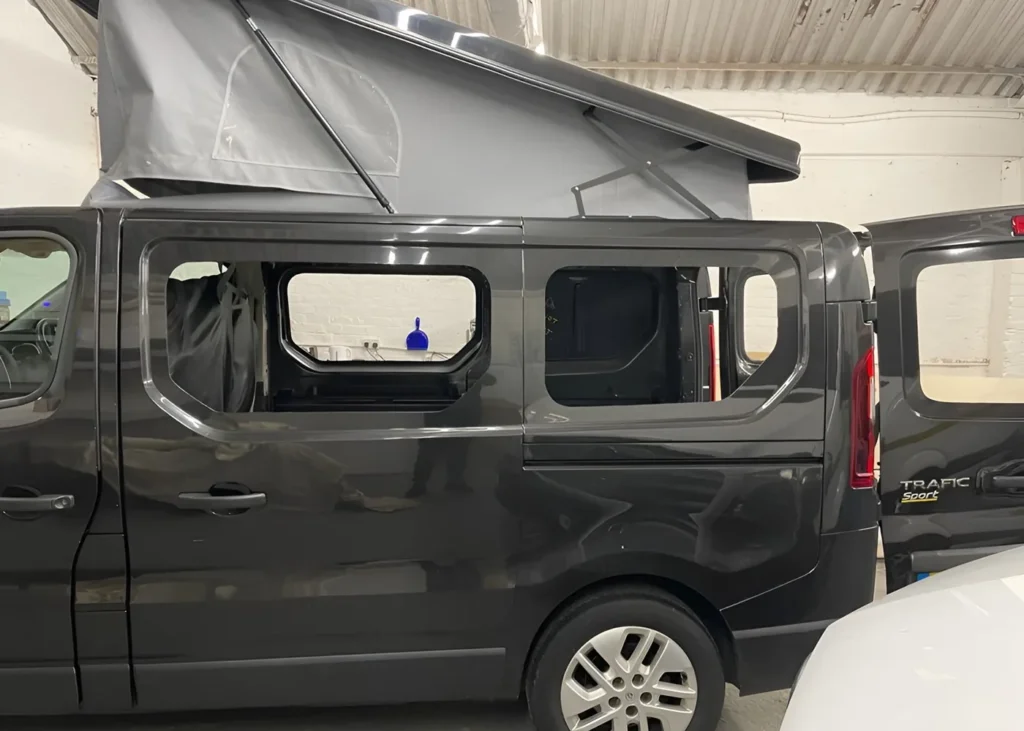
637	164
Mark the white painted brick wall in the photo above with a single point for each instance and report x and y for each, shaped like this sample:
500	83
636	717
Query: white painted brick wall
48	151
347	309
1011	362
865	159
953	304
872	158
760	315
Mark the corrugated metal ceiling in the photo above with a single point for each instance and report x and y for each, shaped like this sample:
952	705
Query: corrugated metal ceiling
955	47
943	47
76	29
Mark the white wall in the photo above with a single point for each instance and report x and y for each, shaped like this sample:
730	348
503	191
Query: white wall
48	150
872	158
350	310
864	158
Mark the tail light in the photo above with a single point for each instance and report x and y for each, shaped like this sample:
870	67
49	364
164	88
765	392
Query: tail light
862	427
712	357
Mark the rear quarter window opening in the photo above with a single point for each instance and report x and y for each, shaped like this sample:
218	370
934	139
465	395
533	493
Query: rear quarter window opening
636	335
759	319
613	336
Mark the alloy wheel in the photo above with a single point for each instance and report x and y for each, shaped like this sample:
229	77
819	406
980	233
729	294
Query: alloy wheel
629	679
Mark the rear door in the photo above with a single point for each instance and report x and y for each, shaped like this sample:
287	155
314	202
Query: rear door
48	457
951	361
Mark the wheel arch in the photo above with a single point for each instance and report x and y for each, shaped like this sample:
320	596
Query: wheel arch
703	609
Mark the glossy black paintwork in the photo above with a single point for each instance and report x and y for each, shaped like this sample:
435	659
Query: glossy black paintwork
49	445
352	587
769	647
924	439
846	274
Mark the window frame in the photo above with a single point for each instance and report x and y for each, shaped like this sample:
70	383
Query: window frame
470	350
71	289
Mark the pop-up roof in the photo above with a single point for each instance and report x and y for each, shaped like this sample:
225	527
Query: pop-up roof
434	116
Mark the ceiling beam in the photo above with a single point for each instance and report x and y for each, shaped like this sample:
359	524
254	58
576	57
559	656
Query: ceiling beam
518	21
507	21
1010	71
532	24
77	29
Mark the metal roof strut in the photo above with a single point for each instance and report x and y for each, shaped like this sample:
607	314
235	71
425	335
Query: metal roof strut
314	110
638	164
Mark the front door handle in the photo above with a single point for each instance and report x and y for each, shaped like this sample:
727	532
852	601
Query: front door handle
214	503
36	503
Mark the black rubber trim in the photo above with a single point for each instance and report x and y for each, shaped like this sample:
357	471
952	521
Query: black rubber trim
785	629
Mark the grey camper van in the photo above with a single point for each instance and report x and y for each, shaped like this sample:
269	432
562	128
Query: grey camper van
604	497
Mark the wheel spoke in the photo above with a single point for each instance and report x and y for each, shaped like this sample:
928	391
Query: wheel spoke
593	721
670	659
620	723
609	646
593	671
647	639
673	718
576	699
674	691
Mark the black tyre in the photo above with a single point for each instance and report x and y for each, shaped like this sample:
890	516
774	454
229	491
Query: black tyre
626	659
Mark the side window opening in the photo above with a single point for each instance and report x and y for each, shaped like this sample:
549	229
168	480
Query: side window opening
618	336
261	336
384	318
33	284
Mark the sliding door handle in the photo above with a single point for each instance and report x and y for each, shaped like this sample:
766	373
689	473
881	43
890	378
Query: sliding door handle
36	503
214	503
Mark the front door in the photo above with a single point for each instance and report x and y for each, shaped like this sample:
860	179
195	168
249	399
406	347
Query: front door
951	363
48	456
316	419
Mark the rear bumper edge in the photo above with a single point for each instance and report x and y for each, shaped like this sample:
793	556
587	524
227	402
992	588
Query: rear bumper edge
770	658
926	562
